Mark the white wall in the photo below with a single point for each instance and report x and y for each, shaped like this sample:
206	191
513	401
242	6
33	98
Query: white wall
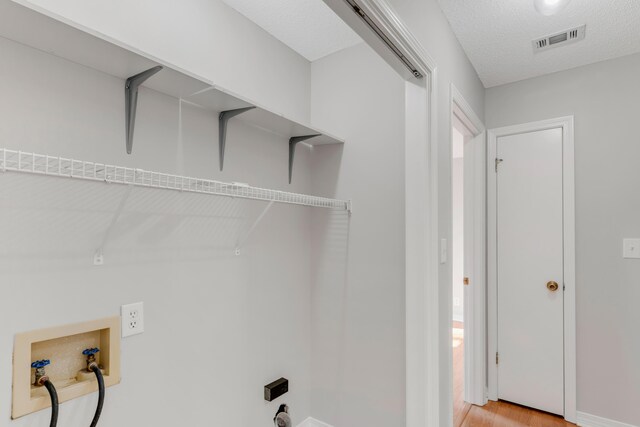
218	327
604	99
427	22
206	37
358	294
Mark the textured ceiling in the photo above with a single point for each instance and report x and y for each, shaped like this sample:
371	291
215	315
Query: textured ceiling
497	35
307	26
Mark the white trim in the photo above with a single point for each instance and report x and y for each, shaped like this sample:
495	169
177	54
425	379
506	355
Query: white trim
588	420
432	284
421	204
312	422
393	27
421	198
422	308
463	111
400	35
566	123
474	307
421	229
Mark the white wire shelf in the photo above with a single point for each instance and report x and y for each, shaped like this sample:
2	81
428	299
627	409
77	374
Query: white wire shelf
42	164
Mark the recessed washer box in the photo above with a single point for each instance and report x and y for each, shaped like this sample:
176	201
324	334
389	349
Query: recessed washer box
63	345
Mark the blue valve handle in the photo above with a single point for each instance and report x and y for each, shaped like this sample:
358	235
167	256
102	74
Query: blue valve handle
38	364
91	351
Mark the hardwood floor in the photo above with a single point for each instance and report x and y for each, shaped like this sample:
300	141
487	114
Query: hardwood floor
493	414
460	407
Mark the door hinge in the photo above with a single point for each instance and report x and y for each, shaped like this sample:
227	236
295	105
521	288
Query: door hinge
465	281
497	358
498	161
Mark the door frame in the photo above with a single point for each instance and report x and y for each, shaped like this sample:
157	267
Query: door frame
568	186
424	352
475	293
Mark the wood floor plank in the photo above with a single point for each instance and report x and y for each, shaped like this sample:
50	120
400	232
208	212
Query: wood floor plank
481	416
460	407
511	415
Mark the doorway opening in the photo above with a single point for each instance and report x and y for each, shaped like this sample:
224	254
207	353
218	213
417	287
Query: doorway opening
460	134
467	324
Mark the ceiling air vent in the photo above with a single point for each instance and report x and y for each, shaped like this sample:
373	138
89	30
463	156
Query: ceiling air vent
559	39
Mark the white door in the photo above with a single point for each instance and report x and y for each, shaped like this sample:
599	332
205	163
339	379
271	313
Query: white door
529	264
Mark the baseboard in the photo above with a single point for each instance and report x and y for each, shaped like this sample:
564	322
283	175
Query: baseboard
312	422
588	420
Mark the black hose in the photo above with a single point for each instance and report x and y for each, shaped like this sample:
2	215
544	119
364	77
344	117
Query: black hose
54	403
100	379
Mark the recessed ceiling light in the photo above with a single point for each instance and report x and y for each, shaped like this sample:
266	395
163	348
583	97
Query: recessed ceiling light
550	7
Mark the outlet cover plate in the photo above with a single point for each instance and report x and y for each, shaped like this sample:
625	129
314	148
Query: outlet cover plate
132	319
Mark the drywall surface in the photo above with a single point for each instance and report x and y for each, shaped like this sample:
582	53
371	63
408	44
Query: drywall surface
308	26
358	296
218	326
429	25
206	37
603	97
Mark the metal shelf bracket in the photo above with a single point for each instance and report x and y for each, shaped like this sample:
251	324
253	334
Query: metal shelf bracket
223	119
292	149
131	101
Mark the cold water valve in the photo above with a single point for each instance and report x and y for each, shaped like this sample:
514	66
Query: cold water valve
41	375
93	367
91	358
88	374
42	380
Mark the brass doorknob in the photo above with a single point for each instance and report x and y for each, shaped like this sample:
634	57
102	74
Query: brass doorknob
552	286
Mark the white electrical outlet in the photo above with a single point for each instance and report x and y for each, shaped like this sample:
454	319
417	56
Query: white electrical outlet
132	319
